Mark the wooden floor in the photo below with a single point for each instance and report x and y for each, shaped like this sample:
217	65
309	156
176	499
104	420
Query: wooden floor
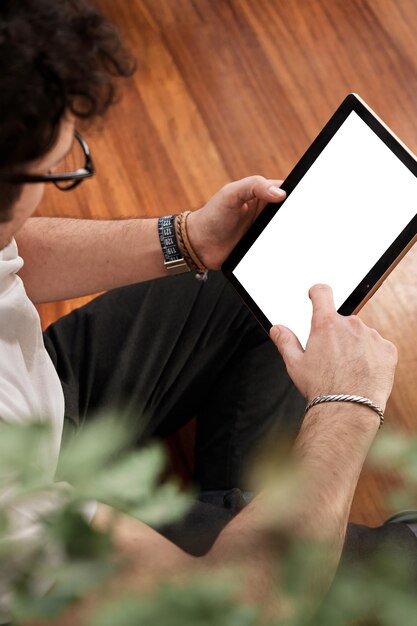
230	88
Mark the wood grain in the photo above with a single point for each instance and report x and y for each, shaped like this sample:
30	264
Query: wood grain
230	88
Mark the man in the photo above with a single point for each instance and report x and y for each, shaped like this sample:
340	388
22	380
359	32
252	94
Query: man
164	349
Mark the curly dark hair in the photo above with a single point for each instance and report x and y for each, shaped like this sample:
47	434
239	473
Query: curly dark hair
56	57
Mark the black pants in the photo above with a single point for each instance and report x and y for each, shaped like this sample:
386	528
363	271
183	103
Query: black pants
170	349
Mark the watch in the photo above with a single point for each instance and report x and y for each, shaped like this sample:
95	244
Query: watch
174	262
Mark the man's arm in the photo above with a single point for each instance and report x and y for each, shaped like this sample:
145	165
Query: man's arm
67	258
342	355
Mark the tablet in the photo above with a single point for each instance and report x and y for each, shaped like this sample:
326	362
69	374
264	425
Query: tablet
350	215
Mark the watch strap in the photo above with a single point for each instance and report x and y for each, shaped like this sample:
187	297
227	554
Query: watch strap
173	259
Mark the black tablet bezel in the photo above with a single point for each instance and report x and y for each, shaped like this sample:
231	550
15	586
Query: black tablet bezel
389	259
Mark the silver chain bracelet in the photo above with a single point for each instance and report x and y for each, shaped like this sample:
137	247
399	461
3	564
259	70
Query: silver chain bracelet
347	398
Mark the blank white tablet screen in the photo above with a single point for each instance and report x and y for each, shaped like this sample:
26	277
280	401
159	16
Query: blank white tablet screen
342	216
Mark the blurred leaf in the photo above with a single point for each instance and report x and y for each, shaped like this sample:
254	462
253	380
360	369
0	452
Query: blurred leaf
91	449
99	465
302	571
198	603
166	504
394	450
100	468
401	499
71	581
77	538
23	450
126	480
3	525
374	589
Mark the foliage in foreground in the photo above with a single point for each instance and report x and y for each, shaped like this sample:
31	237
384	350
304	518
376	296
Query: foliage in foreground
97	464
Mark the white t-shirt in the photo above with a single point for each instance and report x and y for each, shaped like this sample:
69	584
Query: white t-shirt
29	385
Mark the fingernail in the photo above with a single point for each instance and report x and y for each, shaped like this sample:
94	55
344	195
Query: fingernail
275	333
276	191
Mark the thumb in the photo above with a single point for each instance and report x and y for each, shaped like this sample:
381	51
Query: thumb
246	189
287	343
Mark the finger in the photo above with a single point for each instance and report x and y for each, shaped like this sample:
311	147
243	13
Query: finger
321	297
265	189
288	345
275	191
246	189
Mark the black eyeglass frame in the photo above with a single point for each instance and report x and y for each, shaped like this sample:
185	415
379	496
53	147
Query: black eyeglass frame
76	177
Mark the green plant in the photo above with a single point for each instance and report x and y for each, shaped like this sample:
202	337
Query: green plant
66	557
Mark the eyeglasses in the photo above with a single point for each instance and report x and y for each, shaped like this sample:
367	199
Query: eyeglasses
65	181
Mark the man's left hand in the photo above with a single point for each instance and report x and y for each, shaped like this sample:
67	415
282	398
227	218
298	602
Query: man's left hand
216	228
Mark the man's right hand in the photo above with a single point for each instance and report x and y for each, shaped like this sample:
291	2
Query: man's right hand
342	355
